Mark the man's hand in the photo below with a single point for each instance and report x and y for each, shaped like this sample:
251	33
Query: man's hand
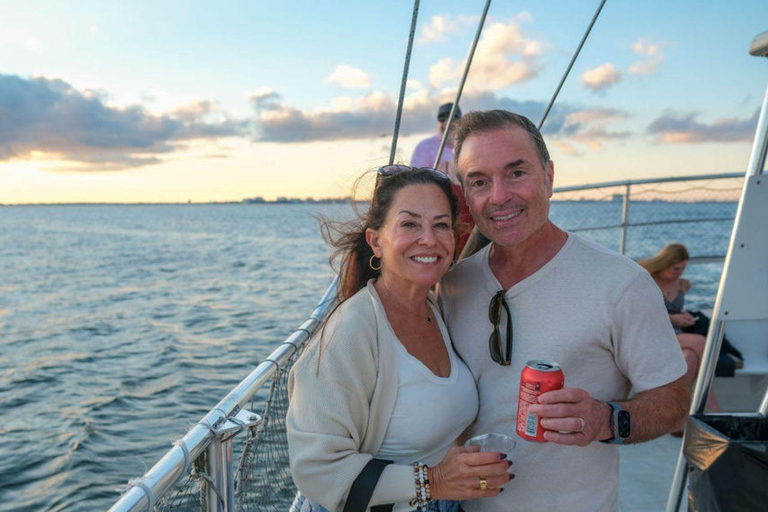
572	417
655	412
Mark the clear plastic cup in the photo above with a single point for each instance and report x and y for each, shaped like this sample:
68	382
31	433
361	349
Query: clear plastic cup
493	443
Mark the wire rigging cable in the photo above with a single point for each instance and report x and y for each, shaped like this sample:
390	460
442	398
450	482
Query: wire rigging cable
461	84
467	66
573	59
403	82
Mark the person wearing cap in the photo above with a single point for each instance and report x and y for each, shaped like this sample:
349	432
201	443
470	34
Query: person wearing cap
424	156
426	151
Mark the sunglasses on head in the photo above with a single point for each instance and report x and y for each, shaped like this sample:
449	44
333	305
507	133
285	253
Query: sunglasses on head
494	342
391	170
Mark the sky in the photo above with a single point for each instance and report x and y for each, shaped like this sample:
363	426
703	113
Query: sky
177	101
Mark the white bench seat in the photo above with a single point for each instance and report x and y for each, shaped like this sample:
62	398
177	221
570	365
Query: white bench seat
750	337
744	391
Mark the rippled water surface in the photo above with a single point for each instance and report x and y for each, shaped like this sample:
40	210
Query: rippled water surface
120	326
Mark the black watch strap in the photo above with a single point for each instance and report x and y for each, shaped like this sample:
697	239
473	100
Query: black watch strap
620	424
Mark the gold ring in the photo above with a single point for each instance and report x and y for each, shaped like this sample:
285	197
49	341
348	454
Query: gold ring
583	424
483	484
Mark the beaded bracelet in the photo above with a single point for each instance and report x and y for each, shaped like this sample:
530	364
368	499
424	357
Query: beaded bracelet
421	477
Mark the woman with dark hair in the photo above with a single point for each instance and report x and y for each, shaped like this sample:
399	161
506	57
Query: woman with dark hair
379	396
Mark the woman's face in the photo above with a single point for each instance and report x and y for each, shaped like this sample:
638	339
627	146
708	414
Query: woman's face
674	271
416	242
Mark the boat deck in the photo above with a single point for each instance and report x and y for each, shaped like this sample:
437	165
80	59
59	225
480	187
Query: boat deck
646	474
647	469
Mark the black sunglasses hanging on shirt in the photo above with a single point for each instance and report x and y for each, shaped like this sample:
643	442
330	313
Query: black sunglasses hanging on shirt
494	342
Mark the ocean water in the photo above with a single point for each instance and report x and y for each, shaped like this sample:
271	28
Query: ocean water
121	326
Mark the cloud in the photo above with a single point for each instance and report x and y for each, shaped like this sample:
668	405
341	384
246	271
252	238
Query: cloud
646	67
653	58
505	55
524	17
441	26
264	99
590	127
19	37
601	116
646	49
350	78
50	118
568	127
684	128
347	118
373	116
436	31
195	109
601	77
567	148
573	130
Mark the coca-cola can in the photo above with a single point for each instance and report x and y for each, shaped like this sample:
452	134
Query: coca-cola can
537	377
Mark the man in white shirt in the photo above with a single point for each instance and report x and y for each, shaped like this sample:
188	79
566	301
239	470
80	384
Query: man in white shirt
596	313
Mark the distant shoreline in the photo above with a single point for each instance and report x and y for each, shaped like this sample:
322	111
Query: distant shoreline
279	200
341	200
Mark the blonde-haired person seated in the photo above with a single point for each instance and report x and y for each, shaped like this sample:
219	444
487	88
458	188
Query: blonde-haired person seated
667	268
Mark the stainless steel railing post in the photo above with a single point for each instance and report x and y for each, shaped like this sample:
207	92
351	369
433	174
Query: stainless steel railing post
678	484
624	219
760	145
219	469
220	464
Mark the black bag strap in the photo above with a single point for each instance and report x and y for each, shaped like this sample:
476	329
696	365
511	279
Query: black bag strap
362	488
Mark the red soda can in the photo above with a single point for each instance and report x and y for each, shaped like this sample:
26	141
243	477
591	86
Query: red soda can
537	377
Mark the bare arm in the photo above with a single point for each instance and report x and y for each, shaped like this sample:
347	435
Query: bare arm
658	411
654	413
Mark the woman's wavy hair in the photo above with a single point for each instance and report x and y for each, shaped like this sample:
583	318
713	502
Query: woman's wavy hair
348	238
671	254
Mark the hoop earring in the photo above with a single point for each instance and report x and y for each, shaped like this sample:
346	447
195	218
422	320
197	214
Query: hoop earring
370	263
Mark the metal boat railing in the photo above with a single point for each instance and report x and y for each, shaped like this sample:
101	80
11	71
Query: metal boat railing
626	195
224	421
228	418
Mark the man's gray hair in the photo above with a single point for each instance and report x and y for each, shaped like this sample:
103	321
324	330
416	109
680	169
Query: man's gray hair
474	123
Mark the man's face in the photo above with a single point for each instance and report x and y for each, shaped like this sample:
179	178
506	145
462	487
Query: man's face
441	128
441	124
505	185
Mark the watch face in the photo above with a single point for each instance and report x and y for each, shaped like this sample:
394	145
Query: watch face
622	427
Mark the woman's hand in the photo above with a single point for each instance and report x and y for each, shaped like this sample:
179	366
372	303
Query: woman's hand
684	319
459	475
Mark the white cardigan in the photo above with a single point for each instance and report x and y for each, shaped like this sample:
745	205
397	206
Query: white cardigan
342	392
